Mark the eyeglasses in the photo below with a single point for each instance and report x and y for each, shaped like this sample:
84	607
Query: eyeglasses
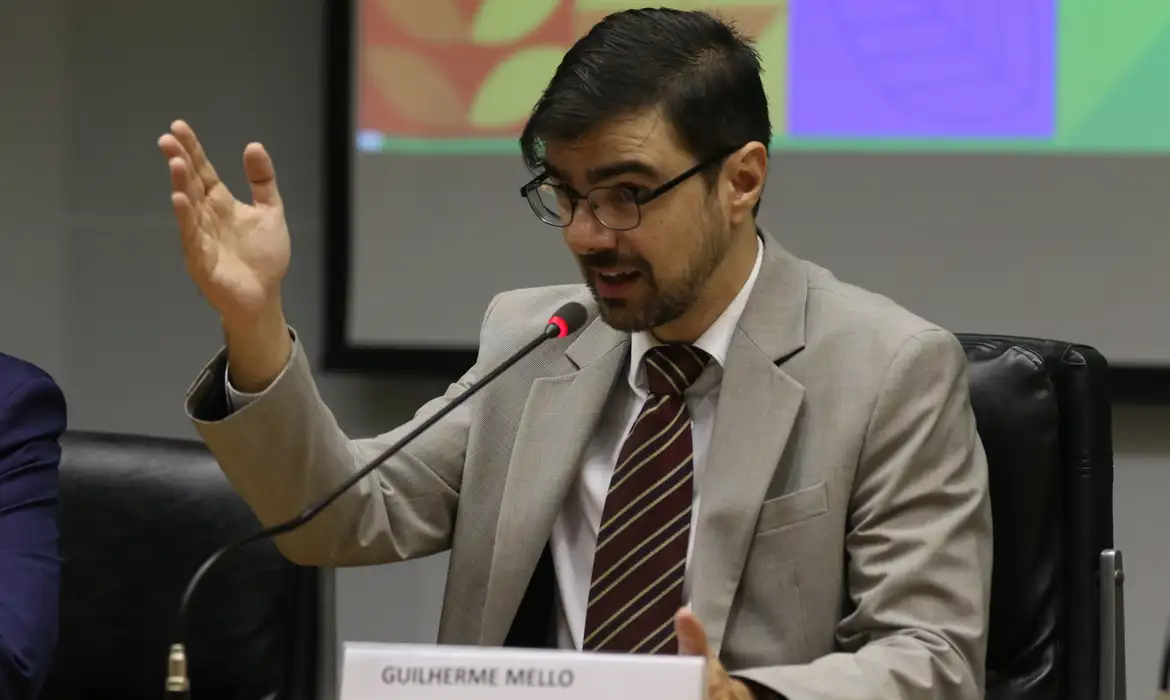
616	207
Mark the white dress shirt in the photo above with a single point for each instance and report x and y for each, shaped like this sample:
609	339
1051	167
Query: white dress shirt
574	533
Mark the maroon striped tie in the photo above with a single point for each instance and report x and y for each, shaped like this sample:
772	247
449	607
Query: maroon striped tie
638	567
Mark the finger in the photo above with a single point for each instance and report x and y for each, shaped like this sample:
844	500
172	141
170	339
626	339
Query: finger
692	639
173	150
183	181
188	226
170	146
261	175
203	170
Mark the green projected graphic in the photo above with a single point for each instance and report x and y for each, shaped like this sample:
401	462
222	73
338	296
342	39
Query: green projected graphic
459	76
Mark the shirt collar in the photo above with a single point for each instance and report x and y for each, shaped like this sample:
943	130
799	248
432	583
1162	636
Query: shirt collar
715	341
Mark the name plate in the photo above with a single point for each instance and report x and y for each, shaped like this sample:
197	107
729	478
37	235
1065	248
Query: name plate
429	672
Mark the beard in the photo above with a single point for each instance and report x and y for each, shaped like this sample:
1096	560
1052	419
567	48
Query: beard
663	300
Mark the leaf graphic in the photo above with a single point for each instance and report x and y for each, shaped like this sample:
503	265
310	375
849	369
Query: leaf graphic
513	87
966	67
434	21
414	86
505	21
773	47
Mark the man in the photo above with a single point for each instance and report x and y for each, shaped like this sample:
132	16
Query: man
32	418
738	456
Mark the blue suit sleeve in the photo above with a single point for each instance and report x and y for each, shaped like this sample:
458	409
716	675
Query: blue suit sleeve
32	418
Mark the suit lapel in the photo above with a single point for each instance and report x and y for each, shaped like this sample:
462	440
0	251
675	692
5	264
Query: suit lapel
758	406
558	420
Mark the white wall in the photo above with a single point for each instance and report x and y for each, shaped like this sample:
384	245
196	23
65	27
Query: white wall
93	288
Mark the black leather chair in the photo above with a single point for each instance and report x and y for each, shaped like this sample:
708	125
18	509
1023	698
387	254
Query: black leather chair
1043	413
138	515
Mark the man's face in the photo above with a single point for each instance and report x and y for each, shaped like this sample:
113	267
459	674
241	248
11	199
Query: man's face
650	275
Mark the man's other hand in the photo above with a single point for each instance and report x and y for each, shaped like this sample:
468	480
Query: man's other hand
692	641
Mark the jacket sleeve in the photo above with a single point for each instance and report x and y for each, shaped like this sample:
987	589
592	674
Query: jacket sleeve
32	418
284	450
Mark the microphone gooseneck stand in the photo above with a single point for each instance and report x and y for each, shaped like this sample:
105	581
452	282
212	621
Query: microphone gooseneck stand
564	322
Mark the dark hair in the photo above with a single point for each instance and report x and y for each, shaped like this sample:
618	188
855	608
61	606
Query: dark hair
701	71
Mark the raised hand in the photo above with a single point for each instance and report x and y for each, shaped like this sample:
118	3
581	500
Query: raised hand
236	253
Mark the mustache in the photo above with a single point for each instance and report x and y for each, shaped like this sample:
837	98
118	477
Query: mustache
611	258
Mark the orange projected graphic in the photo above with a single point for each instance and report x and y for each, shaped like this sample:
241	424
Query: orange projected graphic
472	69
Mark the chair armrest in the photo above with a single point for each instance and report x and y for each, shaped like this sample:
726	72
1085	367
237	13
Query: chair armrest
1111	582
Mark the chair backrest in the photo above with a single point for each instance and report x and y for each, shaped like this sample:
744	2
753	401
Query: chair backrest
1043	414
138	515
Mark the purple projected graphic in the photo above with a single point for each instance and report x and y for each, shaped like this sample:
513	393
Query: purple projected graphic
922	68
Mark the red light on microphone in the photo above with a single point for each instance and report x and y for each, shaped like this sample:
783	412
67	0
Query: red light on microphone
566	320
561	324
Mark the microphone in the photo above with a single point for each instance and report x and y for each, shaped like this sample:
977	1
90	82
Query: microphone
566	321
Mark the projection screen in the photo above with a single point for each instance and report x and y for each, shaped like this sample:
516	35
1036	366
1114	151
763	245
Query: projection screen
994	165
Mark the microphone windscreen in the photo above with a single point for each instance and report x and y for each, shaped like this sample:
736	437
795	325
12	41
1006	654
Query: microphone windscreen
572	315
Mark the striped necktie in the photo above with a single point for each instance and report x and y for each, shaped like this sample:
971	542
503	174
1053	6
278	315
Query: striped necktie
638	566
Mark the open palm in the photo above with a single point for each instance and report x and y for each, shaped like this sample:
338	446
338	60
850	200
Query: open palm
236	253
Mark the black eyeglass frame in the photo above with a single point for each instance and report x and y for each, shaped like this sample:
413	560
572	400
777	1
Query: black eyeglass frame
575	197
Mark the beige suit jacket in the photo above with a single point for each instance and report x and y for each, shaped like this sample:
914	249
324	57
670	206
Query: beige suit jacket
843	542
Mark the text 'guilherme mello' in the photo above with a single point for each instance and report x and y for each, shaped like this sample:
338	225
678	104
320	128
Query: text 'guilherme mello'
470	676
